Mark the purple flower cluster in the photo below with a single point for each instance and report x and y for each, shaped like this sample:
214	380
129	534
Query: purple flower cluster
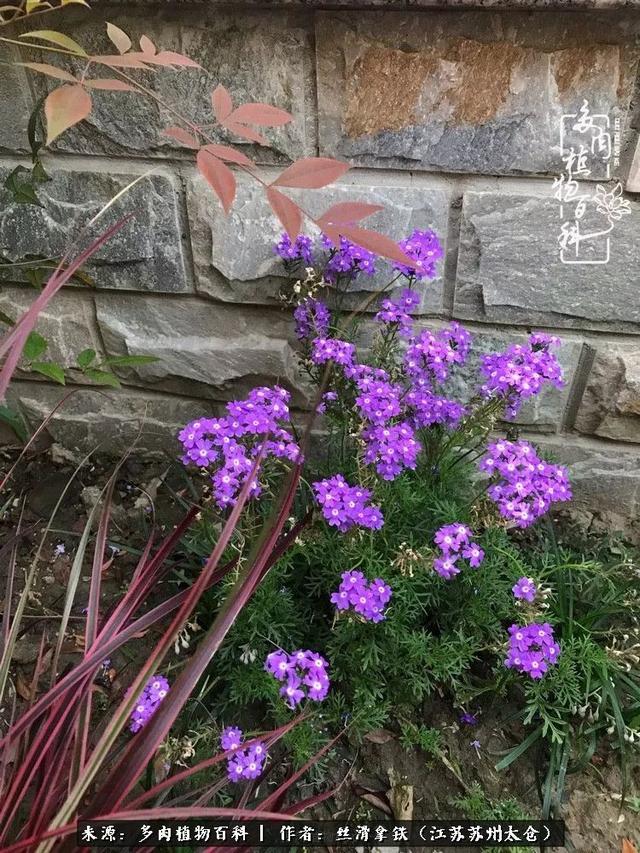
424	248
244	763
531	649
348	259
521	371
344	505
232	442
526	486
392	313
312	318
429	408
391	448
368	599
332	349
304	674
152	695
301	249
431	354
524	589
454	541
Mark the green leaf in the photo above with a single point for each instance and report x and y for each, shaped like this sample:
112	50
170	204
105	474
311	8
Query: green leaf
517	751
13	419
85	358
55	38
32	127
103	377
130	360
23	192
36	276
38	173
34	347
49	369
5	318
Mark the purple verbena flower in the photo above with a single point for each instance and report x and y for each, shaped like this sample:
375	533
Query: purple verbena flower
331	349
531	649
521	372
525	589
344	506
306	675
454	541
525	486
368	599
148	702
231	738
431	354
424	248
398	313
301	249
348	259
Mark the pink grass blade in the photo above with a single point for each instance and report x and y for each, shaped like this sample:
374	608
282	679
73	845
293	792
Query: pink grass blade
126	772
170	781
12	344
123	776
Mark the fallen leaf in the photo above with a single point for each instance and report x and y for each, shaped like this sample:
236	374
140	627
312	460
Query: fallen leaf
23	688
378	800
379	736
628	846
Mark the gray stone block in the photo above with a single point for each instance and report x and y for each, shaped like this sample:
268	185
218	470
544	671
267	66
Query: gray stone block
543	413
470	92
109	421
604	482
510	270
234	257
257	55
212	351
15	104
610	405
67	323
145	254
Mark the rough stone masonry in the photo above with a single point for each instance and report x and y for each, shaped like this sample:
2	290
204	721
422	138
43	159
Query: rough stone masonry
449	111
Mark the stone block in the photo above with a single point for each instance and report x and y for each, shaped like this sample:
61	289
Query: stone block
468	92
543	413
212	351
633	180
257	55
605	482
610	405
111	420
67	323
15	104
234	257
510	270
145	254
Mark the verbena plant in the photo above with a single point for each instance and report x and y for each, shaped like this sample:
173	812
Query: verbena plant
407	578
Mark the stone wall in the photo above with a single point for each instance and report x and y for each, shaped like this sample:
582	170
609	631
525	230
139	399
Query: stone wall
450	118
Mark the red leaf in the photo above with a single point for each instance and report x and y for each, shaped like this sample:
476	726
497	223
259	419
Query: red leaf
147	46
50	70
225	152
222	103
65	107
181	136
219	177
109	84
287	212
348	212
312	173
377	243
118	38
264	115
169	58
131	60
245	132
